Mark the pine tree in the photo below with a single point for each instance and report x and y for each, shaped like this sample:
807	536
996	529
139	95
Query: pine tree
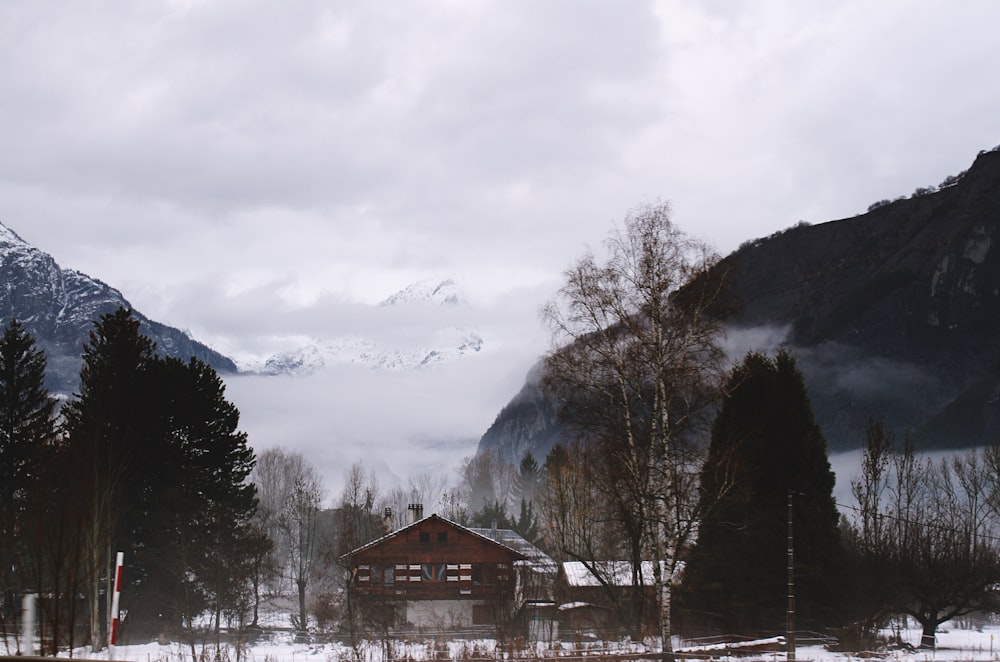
164	476
193	515
27	427
107	426
765	446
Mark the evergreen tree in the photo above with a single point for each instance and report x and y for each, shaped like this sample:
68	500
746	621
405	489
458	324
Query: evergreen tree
527	486
492	513
527	477
27	427
107	423
765	446
527	522
192	523
164	474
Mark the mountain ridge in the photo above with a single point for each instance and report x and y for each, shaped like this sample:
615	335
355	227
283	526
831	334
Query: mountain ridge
59	306
890	314
437	345
357	350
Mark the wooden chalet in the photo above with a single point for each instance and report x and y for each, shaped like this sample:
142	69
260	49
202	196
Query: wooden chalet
435	574
601	595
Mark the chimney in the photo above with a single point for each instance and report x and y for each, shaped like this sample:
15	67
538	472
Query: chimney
416	512
387	520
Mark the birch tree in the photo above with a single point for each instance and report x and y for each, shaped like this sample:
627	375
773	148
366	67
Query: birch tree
635	361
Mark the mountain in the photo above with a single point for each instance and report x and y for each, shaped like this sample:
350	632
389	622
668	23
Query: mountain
891	314
426	291
446	344
427	340
58	306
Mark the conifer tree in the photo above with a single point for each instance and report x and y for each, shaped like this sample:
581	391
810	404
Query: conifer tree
107	426
27	427
191	524
765	446
163	473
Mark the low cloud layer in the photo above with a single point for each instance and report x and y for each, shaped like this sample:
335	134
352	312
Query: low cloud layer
397	423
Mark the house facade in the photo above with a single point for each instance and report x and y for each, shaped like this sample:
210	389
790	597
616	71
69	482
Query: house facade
435	574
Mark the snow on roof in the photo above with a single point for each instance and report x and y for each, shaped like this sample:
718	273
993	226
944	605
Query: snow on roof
539	562
616	573
514	540
566	606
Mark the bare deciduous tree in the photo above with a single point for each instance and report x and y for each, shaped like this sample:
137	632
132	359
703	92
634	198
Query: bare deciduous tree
487	479
290	493
930	547
359	521
635	362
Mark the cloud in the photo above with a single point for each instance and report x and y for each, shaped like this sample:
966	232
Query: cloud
739	341
254	171
399	423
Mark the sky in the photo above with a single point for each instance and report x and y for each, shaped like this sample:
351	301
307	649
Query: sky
260	172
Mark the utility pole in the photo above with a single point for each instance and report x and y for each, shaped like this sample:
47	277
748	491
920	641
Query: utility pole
790	616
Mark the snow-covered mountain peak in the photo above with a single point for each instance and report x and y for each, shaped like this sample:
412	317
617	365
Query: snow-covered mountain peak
10	239
446	344
59	307
426	291
421	337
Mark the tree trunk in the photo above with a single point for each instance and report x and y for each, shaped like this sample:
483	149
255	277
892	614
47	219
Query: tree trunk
302	604
666	632
928	636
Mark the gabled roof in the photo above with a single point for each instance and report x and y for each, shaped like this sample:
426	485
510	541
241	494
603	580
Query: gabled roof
474	532
517	542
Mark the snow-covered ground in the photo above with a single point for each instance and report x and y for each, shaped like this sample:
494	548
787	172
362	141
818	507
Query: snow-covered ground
954	645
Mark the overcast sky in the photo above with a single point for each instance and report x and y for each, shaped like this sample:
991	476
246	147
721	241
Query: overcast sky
253	170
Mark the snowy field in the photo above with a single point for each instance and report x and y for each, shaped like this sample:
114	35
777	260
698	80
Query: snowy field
954	645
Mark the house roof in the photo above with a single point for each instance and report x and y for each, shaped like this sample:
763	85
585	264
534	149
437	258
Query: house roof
536	558
512	539
616	573
475	532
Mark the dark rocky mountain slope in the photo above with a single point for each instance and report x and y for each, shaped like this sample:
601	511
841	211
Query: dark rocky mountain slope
892	314
58	306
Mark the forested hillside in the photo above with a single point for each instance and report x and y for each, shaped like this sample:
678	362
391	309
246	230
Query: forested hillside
890	314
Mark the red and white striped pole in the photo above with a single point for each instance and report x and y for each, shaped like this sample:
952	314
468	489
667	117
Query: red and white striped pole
113	630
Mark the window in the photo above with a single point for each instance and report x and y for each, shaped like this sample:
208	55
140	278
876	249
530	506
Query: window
442	536
425	537
484	574
433	572
383	574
